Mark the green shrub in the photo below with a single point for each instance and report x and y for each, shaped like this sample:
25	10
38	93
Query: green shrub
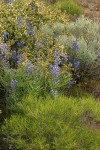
25	46
44	124
83	44
32	79
70	7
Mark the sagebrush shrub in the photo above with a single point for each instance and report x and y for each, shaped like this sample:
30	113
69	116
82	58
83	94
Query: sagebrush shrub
83	43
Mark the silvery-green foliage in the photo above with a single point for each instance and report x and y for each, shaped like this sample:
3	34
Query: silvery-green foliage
86	52
50	33
58	28
64	40
84	27
86	33
47	30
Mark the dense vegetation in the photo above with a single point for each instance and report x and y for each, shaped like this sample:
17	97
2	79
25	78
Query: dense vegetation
45	59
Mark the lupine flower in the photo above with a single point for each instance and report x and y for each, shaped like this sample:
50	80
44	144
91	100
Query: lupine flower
24	47
71	83
29	68
57	61
55	70
29	28
14	55
6	64
10	70
78	76
53	92
19	58
8	1
57	58
65	57
55	73
75	45
1	58
3	49
97	53
38	44
19	21
13	83
74	62
19	43
56	53
6	33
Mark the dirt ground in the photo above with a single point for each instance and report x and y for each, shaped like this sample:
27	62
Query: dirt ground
91	8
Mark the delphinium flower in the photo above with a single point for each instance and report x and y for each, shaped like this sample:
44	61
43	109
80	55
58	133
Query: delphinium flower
75	45
19	21
29	28
29	68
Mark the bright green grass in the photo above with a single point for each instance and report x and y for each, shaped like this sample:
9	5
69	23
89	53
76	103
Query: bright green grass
69	6
54	124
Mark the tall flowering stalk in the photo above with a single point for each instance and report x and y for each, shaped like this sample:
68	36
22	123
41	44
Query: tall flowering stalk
29	68
75	45
13	84
29	27
57	59
3	50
